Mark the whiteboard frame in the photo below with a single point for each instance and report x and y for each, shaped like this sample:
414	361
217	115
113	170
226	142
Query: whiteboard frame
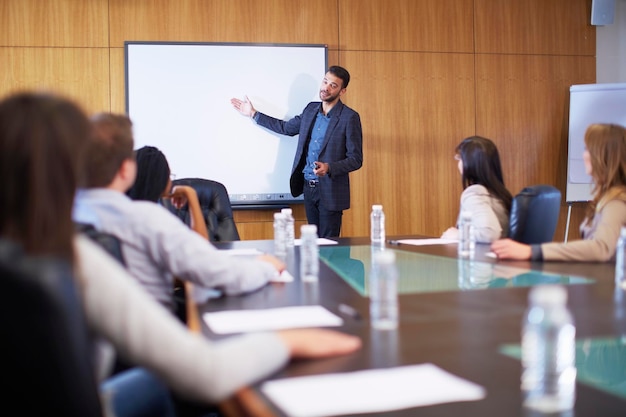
178	98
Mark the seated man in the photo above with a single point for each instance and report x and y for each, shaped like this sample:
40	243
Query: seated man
157	246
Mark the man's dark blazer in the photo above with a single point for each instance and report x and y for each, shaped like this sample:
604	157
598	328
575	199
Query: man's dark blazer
342	149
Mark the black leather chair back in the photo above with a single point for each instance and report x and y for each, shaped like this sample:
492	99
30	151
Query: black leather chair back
48	354
534	214
215	205
107	241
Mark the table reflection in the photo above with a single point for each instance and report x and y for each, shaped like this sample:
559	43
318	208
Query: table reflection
429	273
600	362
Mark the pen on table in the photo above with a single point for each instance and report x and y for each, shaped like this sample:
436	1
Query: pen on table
393	242
349	311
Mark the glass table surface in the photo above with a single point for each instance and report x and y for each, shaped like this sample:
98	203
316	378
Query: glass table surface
600	362
419	273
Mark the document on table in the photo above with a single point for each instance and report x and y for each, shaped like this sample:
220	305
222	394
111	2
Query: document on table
321	241
284	276
370	391
243	252
239	321
425	242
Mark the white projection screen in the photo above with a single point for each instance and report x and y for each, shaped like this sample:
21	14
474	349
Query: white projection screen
178	98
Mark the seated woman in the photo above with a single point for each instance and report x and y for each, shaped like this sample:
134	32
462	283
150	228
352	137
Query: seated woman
484	193
605	160
44	138
154	182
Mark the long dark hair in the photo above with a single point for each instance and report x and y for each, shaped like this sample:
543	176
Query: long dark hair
481	165
153	174
42	143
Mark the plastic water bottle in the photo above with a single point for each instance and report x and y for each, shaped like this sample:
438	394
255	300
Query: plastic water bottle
620	257
309	255
467	238
473	275
383	290
377	223
548	351
290	224
280	242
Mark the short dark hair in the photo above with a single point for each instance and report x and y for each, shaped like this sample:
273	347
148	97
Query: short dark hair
342	73
153	173
111	144
42	140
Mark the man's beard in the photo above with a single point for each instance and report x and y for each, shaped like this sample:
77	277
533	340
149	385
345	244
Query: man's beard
329	98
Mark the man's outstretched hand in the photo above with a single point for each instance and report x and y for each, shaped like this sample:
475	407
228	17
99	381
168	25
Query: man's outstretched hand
244	107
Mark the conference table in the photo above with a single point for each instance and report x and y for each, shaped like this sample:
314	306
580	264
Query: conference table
463	316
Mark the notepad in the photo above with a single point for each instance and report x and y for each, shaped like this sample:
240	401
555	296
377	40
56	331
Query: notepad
370	391
321	241
241	321
426	242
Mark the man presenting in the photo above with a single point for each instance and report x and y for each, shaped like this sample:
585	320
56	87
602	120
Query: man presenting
330	146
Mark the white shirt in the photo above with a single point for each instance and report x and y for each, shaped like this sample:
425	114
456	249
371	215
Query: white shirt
157	246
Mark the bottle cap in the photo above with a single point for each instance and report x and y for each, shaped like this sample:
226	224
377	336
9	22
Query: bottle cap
286	211
308	228
377	207
548	295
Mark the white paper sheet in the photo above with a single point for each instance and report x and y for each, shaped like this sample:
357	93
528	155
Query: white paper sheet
242	252
284	276
370	391
223	322
425	242
320	241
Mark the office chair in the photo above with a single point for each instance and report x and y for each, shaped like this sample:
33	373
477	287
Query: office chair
48	355
131	391
220	225
534	214
107	241
215	205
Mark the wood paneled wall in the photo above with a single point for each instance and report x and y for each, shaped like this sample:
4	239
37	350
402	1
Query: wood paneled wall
425	74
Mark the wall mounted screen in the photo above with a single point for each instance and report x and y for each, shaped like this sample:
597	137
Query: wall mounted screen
589	103
178	97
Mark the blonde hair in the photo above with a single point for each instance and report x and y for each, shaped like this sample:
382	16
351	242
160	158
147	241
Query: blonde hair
606	144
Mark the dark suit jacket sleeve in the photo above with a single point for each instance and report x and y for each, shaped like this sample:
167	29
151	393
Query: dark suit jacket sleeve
289	128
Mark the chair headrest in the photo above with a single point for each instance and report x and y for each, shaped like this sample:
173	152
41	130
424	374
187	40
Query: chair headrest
208	190
215	205
534	214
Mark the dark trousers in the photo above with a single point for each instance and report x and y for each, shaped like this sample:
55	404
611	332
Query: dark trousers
136	392
328	222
